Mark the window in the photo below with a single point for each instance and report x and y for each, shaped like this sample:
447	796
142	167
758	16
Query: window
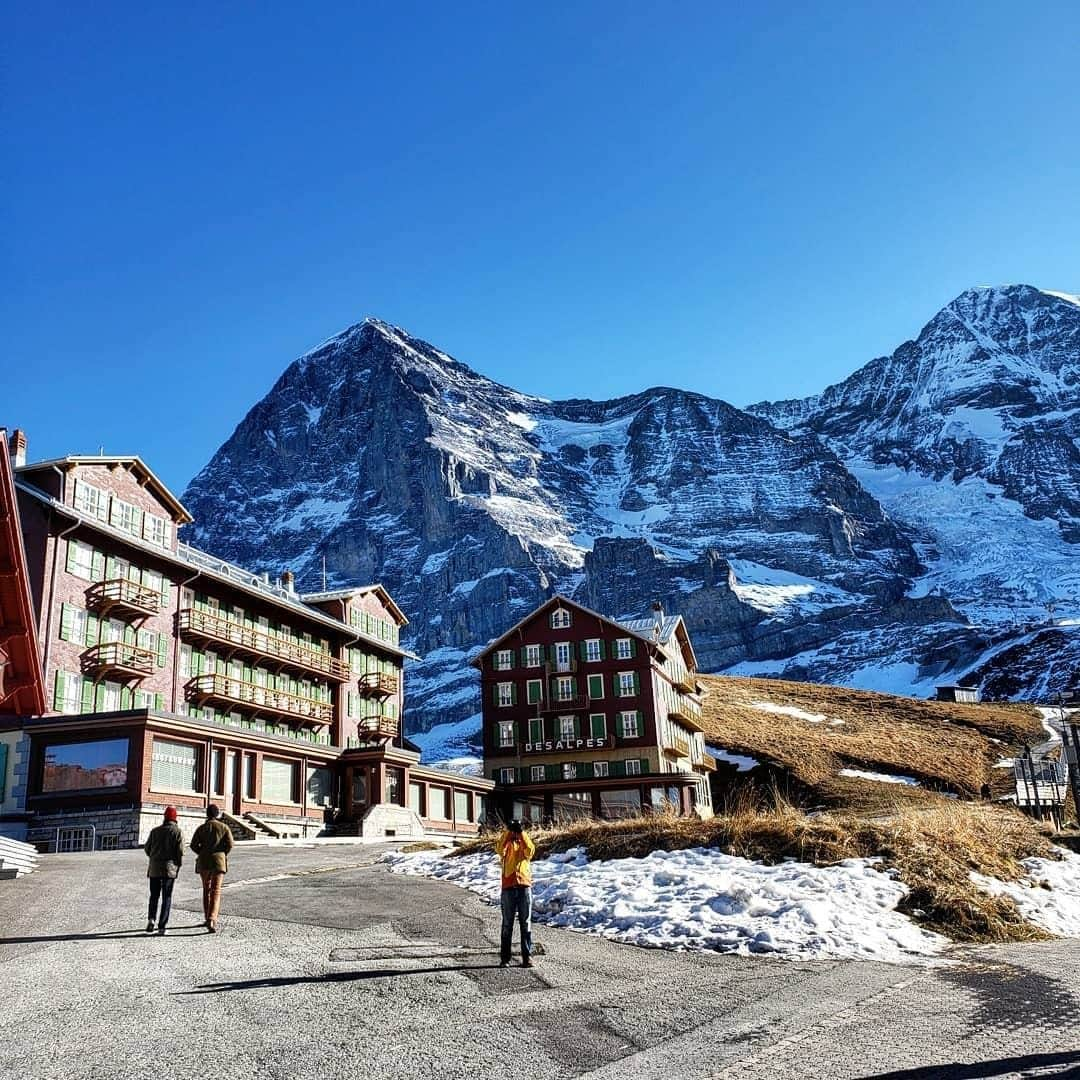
562	655
125	516
249	776
278	781
319	786
506	733
569	770
564	688
600	768
80	560
462	806
536	774
110	698
534	691
91	500
506	776
174	766
416	798
596	686
80	766
598	725
504	660
505	695
67	697
633	767
156	530
73	624
560	619
628	684
624	648
532	655
395	785
628	722
536	730
592	650
566	728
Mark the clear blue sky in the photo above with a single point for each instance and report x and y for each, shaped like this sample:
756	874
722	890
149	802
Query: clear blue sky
578	200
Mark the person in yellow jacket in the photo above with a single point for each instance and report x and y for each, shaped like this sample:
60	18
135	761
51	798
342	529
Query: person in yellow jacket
516	849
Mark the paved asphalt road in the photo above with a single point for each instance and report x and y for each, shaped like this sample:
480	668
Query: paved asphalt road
329	966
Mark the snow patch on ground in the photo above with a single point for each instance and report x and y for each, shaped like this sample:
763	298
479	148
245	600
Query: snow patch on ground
779	591
790	710
704	899
1056	909
740	761
881	778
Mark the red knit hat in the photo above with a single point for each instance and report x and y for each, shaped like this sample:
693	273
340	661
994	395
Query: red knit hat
170	813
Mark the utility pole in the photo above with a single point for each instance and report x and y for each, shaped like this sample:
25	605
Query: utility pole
1070	746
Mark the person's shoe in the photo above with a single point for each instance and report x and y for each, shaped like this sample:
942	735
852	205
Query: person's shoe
212	927
504	963
150	927
161	931
526	962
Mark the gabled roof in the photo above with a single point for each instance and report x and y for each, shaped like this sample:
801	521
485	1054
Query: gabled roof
359	590
133	463
22	681
669	629
562	601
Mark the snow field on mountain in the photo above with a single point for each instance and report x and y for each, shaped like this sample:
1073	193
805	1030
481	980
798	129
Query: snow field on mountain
701	898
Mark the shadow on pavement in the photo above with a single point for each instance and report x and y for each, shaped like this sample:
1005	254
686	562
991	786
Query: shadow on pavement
985	1070
106	936
330	977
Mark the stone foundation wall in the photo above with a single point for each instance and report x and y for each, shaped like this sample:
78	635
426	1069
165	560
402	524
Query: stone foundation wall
385	819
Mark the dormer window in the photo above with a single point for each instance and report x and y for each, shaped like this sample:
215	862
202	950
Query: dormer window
560	619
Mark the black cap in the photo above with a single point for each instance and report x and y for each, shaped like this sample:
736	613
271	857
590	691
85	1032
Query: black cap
514	826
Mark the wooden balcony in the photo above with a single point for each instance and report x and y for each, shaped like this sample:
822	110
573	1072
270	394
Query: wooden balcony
687	713
686	683
259	643
563	705
708	762
118	658
376	684
258	698
123	595
377	725
551	667
677	746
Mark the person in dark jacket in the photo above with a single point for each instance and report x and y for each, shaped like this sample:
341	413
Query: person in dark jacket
212	843
165	849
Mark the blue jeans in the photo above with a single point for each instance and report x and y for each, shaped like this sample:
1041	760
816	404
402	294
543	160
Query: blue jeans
516	901
163	887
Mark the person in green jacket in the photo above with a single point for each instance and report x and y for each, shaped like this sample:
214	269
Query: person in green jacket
165	849
212	843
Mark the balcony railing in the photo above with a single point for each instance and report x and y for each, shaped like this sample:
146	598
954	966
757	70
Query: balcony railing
687	712
566	705
686	683
386	726
252	639
566	667
378	684
260	698
318	738
708	761
676	744
119	657
125	595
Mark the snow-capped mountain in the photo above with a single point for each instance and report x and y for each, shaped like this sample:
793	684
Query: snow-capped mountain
801	537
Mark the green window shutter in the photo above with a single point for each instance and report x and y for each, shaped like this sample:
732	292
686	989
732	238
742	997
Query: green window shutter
495	695
633	647
110	567
533	691
640	723
513	693
551	772
220	669
165	590
618	768
67	617
637	684
598	724
573	686
515	733
603	649
72	547
99	697
596	686
522	774
551	653
86	701
125	697
583	650
159	701
97	566
535	731
585	770
129	634
58	693
162	646
577	727
644	765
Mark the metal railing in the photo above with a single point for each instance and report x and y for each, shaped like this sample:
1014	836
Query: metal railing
253	639
123	592
120	656
71	838
262	698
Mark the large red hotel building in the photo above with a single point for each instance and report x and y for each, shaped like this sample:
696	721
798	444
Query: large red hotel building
138	672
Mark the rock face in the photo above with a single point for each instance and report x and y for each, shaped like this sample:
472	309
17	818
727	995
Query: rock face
802	537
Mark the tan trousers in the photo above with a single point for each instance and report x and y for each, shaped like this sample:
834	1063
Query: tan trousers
211	895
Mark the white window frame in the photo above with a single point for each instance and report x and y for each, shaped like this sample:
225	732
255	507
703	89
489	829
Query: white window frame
91	500
503	660
506	694
569	770
589	650
82	566
560	619
633	767
156	529
564	688
600	768
506	776
625	686
622	649
533	655
505	734
566	728
628	724
538	774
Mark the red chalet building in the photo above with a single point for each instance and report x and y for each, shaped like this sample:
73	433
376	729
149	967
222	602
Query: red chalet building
586	715
172	677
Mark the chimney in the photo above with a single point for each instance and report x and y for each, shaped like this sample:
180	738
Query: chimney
17	448
288	581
